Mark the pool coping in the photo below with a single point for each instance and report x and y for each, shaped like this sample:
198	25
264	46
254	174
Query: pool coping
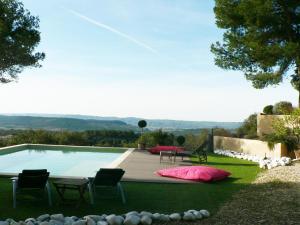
114	164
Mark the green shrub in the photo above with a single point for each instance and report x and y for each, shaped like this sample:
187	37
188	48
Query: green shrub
163	138
268	110
194	141
157	137
248	128
223	132
282	108
286	130
112	138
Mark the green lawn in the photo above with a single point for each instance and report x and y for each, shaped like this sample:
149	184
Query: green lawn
141	196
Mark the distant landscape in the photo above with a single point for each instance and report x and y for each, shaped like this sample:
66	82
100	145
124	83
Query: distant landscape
86	122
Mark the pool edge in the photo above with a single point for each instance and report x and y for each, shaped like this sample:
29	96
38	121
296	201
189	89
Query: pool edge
120	159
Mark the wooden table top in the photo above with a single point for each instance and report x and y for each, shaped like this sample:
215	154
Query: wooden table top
75	182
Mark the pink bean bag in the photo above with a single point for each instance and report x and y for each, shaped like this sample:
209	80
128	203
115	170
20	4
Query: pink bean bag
195	173
158	148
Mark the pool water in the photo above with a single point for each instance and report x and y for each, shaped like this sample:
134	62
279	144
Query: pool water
58	163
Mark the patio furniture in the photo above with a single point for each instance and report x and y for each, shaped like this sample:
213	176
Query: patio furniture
157	149
184	154
202	155
107	177
170	154
31	180
80	185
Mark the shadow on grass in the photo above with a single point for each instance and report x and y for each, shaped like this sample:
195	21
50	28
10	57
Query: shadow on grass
261	202
154	197
226	164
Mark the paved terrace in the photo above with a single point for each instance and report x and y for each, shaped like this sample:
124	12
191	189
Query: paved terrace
140	166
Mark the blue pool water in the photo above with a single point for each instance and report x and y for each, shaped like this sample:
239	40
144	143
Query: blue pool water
58	163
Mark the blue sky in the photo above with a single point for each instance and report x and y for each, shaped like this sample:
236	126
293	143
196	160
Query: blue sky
144	58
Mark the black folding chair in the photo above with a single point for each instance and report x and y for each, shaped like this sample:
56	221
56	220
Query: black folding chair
31	180
107	178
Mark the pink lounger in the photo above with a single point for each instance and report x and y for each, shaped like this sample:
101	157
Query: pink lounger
195	173
157	149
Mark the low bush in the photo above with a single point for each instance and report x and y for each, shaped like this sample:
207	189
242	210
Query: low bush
282	108
90	138
248	128
157	137
268	110
223	132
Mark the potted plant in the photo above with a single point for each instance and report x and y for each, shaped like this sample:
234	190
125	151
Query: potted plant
142	144
286	130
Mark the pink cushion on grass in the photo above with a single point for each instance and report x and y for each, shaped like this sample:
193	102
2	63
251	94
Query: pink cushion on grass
195	173
158	148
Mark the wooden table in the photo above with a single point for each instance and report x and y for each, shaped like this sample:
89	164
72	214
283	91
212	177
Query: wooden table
80	185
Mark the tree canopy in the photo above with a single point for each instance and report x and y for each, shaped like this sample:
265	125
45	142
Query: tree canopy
19	36
261	38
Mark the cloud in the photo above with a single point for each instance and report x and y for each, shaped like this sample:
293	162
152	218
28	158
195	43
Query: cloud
115	31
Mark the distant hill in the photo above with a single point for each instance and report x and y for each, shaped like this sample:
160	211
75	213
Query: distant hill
82	122
59	123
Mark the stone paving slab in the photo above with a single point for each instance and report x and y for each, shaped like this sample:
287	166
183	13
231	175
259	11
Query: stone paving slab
140	166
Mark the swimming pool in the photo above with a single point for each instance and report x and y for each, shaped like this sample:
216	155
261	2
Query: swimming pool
59	160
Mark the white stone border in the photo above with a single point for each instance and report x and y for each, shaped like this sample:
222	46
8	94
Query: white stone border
120	159
130	218
264	163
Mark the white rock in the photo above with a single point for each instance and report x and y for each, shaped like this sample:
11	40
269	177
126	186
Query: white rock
68	221
145	213
114	220
4	223
96	218
198	215
164	218
56	222
187	216
269	166
146	220
192	211
204	213
102	222
156	216
28	220
132	213
43	217
175	216
14	223
90	221
132	219
45	223
79	222
75	218
59	217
